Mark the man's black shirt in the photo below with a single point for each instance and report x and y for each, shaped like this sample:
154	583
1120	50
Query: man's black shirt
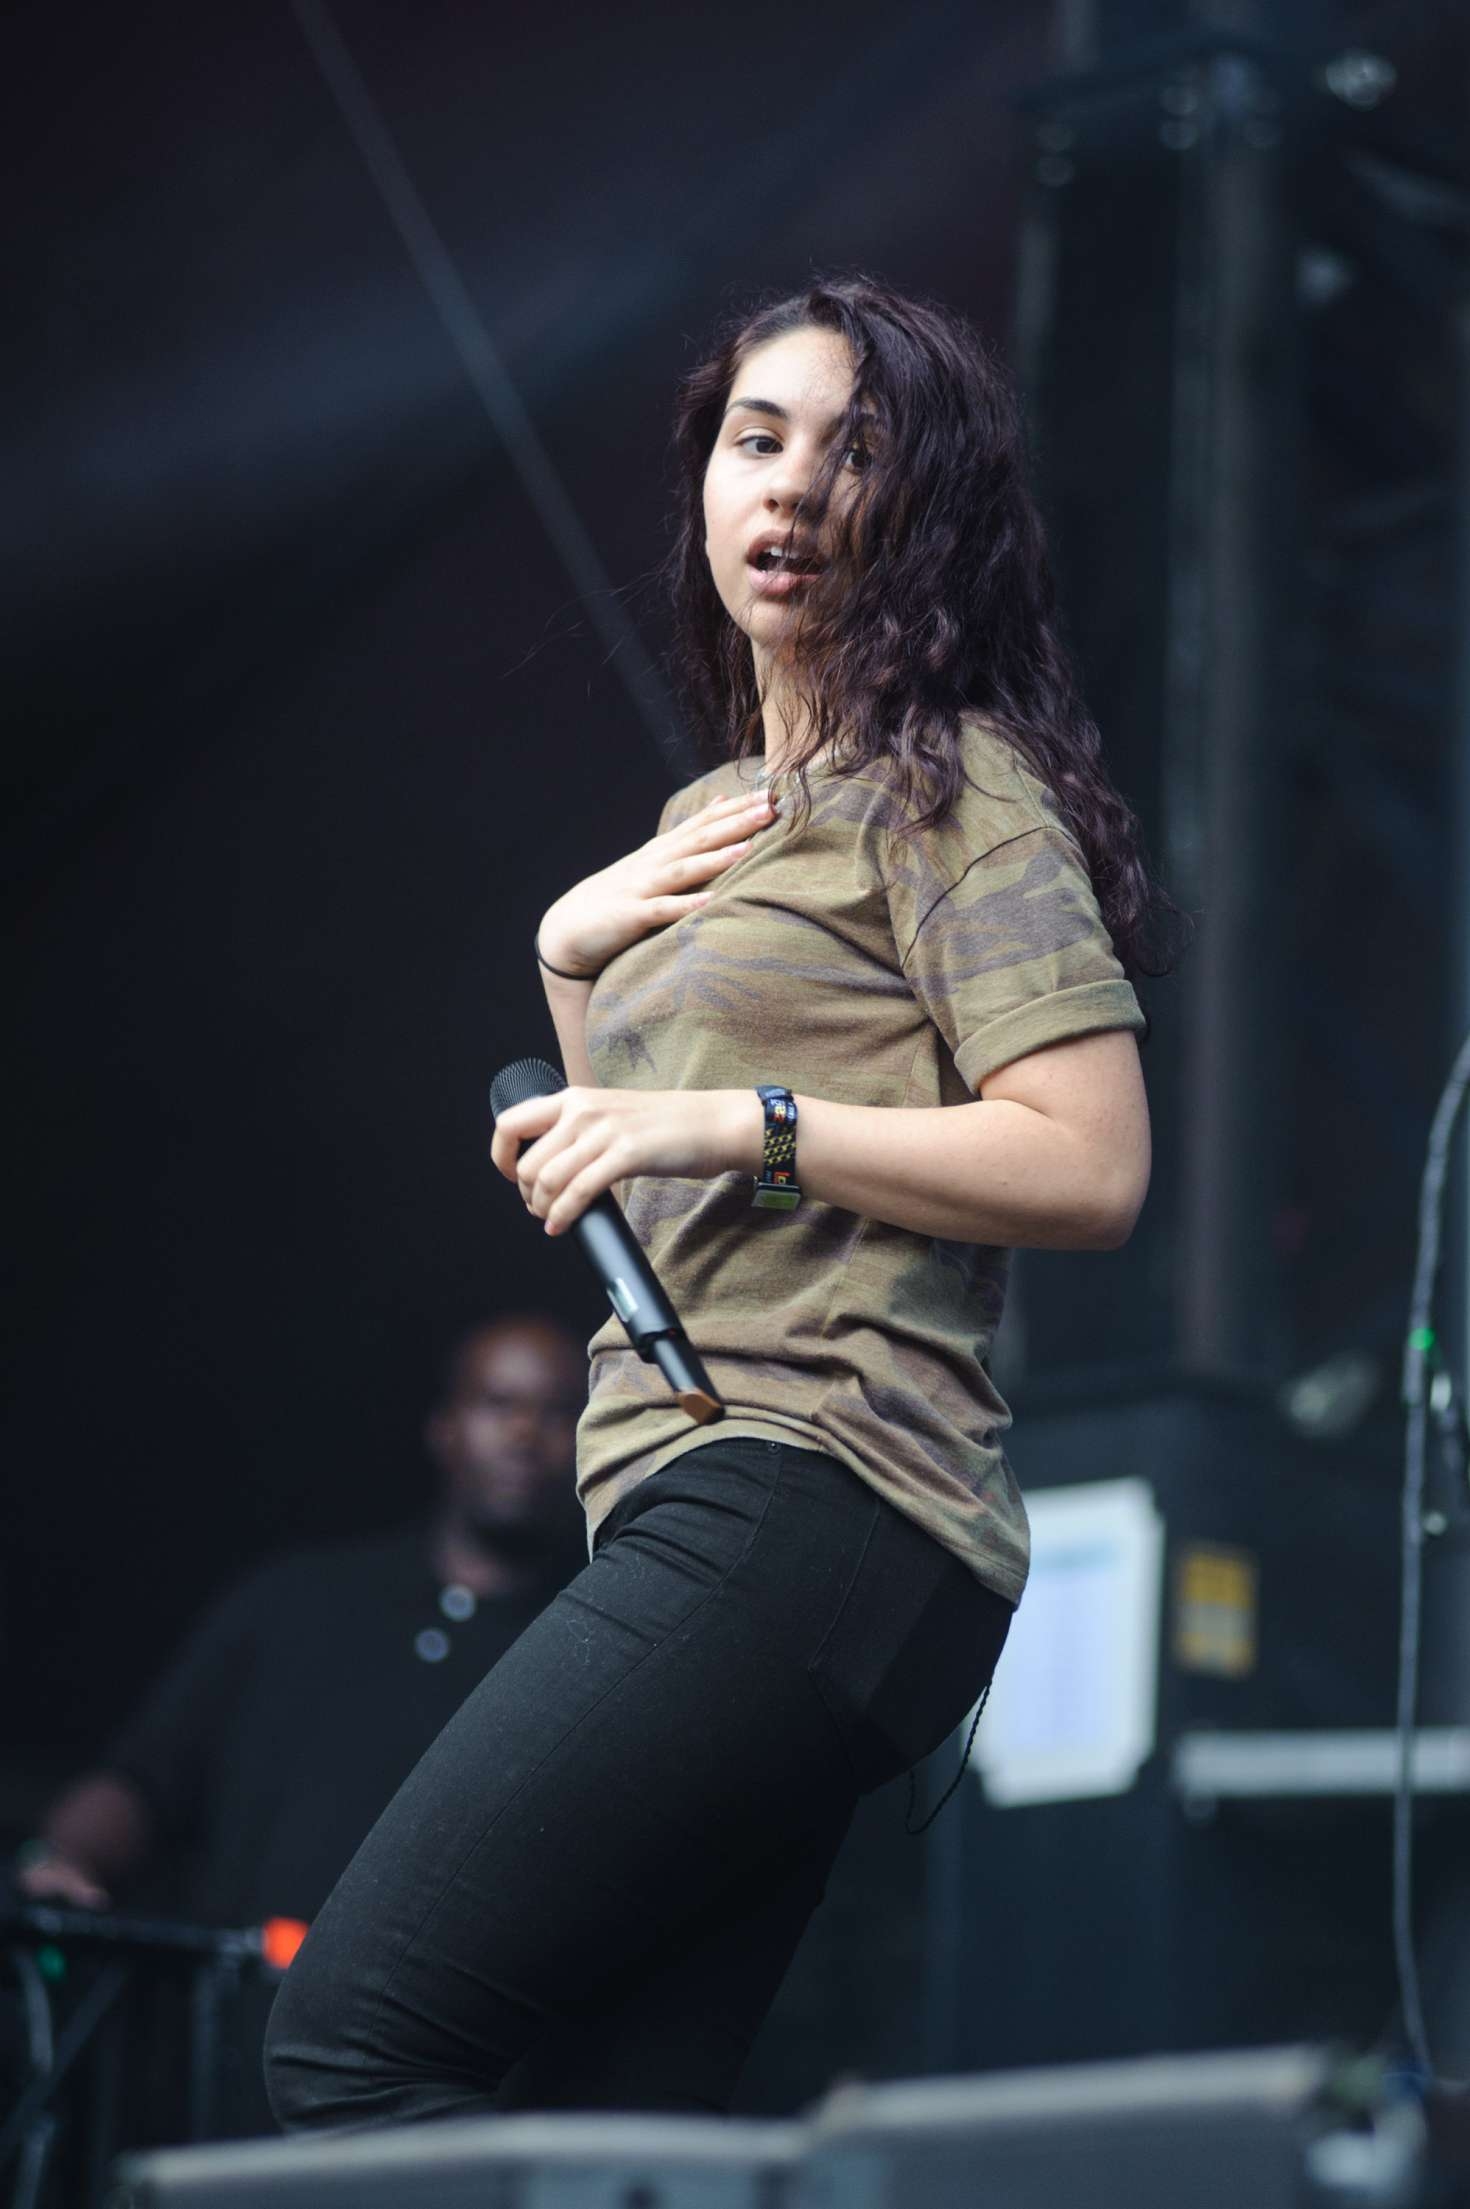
295	1709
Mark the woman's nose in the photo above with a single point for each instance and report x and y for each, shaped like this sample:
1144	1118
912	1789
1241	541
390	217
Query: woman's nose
787	489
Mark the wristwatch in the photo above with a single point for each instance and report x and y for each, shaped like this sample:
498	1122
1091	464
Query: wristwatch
777	1188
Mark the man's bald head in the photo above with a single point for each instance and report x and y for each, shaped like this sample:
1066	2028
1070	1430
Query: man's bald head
531	1341
503	1432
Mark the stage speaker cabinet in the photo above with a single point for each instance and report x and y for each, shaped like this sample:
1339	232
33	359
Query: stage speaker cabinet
1271	2129
573	2162
1101	1927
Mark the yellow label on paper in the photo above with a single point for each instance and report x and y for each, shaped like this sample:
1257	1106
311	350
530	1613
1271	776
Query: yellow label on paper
1215	1610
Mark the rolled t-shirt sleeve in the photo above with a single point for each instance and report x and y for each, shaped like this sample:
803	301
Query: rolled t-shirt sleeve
1014	955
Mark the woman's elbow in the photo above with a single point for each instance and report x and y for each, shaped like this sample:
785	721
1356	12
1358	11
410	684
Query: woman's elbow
1114	1233
1118	1211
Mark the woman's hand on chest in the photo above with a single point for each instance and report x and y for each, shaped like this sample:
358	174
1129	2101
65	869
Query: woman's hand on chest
575	1145
658	883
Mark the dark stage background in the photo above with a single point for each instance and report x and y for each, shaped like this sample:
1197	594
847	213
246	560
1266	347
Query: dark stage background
306	725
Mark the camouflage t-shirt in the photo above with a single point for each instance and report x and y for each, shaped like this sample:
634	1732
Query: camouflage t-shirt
855	964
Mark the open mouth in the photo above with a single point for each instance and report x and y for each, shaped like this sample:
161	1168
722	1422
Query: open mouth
772	560
778	569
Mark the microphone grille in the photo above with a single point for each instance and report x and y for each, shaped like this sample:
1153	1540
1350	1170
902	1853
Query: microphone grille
525	1077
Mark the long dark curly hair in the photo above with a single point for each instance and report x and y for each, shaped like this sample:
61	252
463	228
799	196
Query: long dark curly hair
935	598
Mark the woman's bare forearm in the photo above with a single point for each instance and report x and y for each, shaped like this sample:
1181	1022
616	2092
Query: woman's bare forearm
566	1001
978	1173
1055	1157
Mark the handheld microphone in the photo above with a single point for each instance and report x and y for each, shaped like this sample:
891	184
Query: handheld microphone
632	1288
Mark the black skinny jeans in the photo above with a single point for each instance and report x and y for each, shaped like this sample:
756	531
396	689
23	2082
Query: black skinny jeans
588	1891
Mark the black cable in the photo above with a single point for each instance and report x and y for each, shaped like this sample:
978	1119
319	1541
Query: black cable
924	1824
1420	1354
491	382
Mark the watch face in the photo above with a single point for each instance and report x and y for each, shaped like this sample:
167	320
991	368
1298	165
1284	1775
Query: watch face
776	1200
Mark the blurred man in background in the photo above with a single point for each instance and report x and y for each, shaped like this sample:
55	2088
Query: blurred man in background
244	1783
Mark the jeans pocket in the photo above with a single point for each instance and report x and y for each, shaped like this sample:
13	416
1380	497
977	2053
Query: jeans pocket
914	1641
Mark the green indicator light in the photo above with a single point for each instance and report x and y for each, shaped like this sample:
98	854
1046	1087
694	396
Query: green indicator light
1422	1339
51	1963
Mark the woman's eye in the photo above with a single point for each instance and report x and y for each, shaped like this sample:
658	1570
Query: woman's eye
762	438
857	456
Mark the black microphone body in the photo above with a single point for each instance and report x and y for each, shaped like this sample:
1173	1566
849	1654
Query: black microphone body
632	1287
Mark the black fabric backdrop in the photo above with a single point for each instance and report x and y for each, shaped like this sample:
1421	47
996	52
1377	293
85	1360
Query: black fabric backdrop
306	727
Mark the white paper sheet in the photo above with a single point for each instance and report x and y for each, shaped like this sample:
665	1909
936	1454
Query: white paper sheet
1073	1710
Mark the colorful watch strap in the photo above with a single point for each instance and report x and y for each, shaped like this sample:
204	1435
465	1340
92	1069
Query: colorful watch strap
777	1189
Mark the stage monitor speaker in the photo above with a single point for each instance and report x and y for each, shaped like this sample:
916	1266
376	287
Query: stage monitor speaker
1272	2129
592	2162
1106	1927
